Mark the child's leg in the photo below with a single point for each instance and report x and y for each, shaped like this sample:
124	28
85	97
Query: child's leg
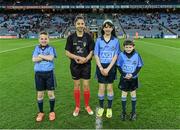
110	95
86	92
101	94
51	100
123	99
40	97
133	99
77	93
87	96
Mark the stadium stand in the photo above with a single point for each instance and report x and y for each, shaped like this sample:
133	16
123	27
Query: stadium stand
26	23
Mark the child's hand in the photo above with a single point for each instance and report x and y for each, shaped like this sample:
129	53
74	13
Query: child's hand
102	71
106	71
81	60
128	76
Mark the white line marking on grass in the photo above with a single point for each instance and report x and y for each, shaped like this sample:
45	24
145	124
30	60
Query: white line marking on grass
98	121
160	45
14	49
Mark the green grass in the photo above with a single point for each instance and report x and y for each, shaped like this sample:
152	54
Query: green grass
158	100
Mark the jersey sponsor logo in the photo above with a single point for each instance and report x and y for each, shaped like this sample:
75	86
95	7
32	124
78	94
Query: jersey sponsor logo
84	44
128	68
79	50
106	55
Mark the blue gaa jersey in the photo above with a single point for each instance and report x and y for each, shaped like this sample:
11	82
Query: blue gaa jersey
44	65
129	65
106	50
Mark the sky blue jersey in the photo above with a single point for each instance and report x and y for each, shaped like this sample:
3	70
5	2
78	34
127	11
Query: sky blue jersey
44	65
129	65
106	50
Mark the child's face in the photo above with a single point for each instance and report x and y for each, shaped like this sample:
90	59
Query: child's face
43	40
107	29
80	25
129	48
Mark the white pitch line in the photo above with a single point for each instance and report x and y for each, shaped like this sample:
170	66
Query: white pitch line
14	49
160	45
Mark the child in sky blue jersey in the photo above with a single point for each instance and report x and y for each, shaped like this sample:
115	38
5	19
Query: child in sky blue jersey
129	64
43	58
106	52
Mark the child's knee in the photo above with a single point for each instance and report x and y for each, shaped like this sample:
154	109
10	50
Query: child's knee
133	93
40	95
51	94
124	94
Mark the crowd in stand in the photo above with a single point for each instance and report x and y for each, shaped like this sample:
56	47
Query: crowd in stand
77	2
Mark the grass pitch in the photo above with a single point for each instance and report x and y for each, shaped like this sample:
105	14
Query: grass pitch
158	100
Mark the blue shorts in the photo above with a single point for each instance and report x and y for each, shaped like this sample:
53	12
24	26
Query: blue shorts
106	79
45	80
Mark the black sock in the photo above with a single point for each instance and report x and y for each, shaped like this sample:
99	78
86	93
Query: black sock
123	99
133	99
52	104
110	103
110	100
40	105
101	101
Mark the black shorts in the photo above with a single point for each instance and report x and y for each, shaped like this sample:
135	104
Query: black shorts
128	85
106	79
45	80
80	71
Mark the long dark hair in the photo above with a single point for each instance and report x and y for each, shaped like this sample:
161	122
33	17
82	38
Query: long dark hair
79	17
113	33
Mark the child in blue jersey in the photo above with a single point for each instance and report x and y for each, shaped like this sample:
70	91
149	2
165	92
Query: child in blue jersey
106	53
129	64
43	57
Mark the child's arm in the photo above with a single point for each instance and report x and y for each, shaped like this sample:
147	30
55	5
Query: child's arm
111	64
37	59
78	59
136	71
121	71
89	56
46	57
99	65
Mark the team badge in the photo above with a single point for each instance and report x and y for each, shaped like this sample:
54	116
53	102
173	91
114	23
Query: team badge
84	44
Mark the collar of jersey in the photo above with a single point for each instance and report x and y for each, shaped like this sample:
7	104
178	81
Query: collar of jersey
112	38
129	55
44	47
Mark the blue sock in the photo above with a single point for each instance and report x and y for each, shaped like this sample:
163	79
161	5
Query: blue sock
52	104
110	99
101	101
123	99
40	105
133	99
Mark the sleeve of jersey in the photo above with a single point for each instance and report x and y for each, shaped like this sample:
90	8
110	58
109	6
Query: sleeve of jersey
96	49
140	61
53	52
68	46
35	52
136	71
119	64
117	48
